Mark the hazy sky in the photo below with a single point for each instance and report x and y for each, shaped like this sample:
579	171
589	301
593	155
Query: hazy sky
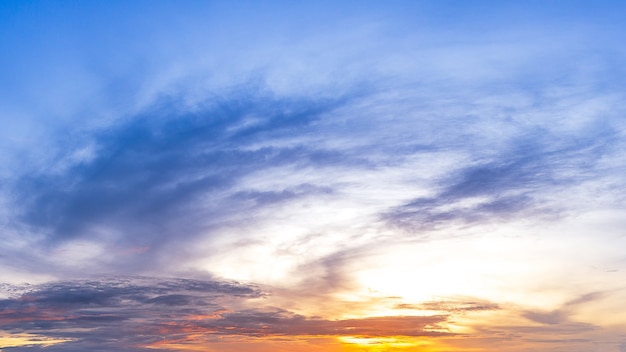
312	176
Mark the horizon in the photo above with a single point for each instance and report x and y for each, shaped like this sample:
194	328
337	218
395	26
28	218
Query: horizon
353	176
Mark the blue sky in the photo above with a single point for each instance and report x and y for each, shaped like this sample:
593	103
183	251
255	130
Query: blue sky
429	174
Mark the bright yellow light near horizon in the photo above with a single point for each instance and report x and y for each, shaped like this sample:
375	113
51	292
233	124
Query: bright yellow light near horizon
20	340
389	341
381	344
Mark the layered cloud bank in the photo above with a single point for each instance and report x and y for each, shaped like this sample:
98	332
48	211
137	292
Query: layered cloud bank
139	313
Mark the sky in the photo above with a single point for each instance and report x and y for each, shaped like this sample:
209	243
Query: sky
321	176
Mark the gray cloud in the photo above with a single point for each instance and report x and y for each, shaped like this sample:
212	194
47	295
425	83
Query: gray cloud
113	313
134	313
562	315
551	318
452	306
512	183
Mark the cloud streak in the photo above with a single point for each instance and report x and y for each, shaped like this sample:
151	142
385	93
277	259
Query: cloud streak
140	313
360	159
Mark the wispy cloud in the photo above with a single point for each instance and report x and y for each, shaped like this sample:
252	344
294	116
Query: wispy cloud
173	175
341	153
562	314
514	182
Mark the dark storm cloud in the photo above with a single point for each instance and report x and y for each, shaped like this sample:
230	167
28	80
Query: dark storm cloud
130	314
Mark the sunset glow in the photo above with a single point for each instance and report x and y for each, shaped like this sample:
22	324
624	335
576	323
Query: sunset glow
321	176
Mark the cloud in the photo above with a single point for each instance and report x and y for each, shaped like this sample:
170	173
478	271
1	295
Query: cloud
551	318
135	313
176	148
173	174
517	181
252	145
67	296
108	313
451	306
562	315
272	323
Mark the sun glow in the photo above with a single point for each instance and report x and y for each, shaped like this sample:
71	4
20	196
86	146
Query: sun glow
376	344
18	340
